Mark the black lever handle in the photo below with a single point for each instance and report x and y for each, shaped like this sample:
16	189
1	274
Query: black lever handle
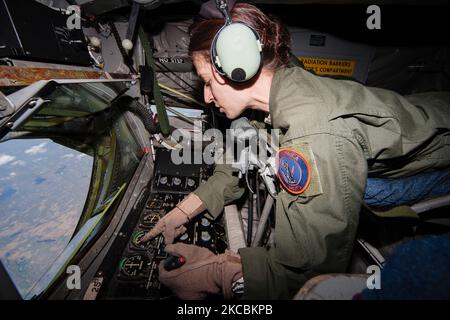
174	262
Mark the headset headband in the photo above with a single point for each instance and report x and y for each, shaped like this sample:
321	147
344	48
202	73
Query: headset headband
222	6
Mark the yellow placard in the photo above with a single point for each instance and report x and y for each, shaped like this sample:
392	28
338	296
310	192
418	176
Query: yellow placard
329	66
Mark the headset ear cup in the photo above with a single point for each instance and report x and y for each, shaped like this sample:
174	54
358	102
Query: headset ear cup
236	52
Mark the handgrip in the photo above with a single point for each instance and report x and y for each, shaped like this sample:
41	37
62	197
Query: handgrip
174	262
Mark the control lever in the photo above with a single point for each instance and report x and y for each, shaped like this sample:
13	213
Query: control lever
127	43
173	262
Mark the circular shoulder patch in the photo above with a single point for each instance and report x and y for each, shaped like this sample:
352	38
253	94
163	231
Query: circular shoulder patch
293	171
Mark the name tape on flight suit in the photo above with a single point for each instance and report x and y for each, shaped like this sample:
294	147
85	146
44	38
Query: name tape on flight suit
297	170
335	67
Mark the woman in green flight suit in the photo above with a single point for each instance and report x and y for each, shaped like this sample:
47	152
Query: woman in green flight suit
343	132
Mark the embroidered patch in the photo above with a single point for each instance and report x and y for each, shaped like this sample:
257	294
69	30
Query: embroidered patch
293	171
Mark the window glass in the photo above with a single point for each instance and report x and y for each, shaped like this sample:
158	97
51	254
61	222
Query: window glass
43	188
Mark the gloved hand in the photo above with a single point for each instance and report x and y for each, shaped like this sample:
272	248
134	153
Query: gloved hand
203	272
172	224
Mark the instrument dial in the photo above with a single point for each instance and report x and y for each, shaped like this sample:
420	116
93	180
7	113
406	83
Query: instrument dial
176	181
163	180
205	236
150	220
136	241
205	222
191	182
134	266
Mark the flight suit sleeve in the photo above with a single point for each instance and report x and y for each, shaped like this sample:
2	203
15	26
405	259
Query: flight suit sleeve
314	233
220	189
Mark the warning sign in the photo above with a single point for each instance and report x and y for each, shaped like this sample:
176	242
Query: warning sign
329	66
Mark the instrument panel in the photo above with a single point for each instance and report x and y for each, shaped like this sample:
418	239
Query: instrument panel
132	272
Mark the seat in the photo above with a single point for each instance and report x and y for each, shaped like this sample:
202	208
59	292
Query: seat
415	270
395	208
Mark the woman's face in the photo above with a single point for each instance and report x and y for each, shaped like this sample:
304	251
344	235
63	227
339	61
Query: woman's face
229	99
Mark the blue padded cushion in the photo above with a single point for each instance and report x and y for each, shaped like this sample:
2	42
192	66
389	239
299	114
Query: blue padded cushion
416	270
382	192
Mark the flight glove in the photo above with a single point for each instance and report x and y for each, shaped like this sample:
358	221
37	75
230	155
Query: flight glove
172	224
203	272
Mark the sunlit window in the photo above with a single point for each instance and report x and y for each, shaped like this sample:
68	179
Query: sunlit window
43	189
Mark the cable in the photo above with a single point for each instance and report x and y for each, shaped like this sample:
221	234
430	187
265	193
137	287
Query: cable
181	94
175	81
176	75
246	179
178	99
140	111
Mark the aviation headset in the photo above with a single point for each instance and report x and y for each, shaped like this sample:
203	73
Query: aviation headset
236	50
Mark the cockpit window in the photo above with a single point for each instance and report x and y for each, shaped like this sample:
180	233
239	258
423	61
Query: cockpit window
43	188
62	173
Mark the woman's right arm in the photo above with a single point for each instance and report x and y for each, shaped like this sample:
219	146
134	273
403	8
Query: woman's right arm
220	189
